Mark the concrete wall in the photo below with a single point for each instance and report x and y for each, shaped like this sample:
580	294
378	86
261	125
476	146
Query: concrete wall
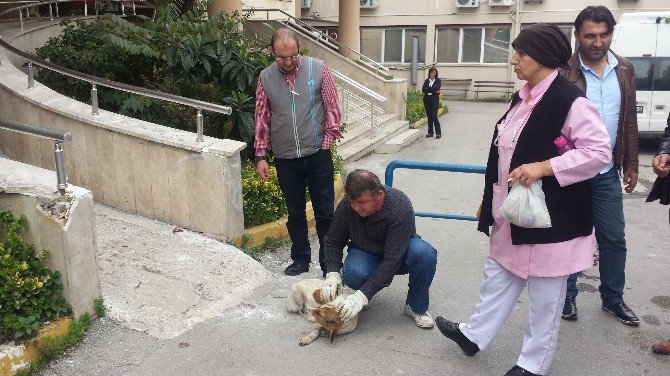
139	167
437	13
24	190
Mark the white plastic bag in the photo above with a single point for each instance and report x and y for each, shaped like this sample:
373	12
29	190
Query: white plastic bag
526	207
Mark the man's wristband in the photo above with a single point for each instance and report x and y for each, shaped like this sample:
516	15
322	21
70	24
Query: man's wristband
259	159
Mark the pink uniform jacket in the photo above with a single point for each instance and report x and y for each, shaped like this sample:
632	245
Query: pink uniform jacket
592	152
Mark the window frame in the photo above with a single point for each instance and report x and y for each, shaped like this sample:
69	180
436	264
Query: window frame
403	37
461	38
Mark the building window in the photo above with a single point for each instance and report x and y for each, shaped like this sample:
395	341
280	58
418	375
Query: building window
393	45
488	44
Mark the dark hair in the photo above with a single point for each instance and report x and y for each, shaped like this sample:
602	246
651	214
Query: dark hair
360	181
284	34
596	14
435	70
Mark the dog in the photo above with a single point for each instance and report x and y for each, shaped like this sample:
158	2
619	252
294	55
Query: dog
305	298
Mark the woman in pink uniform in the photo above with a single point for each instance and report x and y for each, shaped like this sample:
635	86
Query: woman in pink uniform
523	150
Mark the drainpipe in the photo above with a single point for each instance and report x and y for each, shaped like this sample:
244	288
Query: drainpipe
415	58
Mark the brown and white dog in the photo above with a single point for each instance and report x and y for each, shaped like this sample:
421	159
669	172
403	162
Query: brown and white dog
305	298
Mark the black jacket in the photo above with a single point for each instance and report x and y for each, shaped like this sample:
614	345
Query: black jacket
434	90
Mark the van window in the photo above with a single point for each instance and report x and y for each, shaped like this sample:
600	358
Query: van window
643	73
662	80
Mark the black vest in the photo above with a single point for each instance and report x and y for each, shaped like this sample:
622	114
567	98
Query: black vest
570	206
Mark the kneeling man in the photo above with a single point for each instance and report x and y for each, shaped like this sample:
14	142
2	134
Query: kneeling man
377	224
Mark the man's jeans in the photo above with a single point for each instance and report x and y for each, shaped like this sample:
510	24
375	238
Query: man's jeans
295	175
609	224
420	261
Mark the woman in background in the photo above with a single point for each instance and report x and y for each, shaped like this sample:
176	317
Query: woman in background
431	102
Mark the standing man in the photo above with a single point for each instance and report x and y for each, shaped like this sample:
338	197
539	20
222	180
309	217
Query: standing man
377	224
608	80
298	117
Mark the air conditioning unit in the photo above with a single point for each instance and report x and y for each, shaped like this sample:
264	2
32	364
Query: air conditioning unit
306	4
466	3
369	4
501	3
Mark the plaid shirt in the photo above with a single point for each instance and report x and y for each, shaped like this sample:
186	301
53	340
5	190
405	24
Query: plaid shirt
331	105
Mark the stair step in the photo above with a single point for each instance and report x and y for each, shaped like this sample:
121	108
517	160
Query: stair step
356	131
398	142
367	145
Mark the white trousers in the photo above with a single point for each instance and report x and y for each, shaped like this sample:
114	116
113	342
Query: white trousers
498	296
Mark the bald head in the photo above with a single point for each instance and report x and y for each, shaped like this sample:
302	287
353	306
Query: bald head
284	36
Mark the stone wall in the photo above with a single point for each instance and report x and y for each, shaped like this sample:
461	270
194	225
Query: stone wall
137	166
68	234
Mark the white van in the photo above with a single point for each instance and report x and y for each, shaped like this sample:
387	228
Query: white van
644	39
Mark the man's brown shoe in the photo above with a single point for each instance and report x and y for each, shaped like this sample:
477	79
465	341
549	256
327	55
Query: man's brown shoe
662	348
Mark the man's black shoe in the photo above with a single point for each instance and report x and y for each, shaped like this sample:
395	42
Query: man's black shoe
297	268
518	371
622	312
570	308
451	331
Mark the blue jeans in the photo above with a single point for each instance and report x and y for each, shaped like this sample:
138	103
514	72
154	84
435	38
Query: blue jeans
295	176
609	224
420	261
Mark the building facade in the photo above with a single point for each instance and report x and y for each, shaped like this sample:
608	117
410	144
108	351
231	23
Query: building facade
462	38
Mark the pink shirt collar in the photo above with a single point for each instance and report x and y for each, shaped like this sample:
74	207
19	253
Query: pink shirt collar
538	91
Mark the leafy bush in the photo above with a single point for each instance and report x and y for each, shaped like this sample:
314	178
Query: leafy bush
30	293
263	200
414	106
191	55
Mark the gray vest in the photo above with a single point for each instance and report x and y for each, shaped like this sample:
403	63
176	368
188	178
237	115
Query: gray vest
297	120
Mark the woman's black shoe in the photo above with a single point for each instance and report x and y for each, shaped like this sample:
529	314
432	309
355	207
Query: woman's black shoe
451	331
429	135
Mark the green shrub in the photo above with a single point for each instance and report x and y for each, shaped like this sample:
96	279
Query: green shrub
30	293
263	201
414	105
189	54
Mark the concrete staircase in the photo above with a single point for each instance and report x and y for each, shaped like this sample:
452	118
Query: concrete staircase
358	141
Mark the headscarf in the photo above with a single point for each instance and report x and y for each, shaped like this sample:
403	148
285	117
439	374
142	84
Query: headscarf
545	43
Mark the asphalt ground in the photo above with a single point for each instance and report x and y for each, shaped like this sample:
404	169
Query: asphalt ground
259	337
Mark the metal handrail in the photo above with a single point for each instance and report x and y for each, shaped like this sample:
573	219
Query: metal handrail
420	165
36	130
53	134
358	86
197	104
365	59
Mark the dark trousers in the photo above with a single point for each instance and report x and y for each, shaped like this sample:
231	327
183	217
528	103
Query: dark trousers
431	103
314	172
609	224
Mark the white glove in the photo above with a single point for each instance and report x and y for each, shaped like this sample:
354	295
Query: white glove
351	305
332	287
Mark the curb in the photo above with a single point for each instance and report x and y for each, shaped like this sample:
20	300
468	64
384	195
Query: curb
13	358
424	120
256	235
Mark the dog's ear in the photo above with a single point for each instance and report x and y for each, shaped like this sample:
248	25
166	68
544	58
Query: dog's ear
317	296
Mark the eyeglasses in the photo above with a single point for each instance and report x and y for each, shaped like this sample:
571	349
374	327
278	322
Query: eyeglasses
291	58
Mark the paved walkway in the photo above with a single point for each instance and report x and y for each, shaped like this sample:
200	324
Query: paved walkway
258	336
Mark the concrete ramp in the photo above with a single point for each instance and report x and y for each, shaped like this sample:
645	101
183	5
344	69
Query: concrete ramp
162	280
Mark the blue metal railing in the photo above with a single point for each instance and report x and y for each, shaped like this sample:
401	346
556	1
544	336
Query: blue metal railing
419	165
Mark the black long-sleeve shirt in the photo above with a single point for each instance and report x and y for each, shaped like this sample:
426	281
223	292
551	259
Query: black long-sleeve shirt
386	234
